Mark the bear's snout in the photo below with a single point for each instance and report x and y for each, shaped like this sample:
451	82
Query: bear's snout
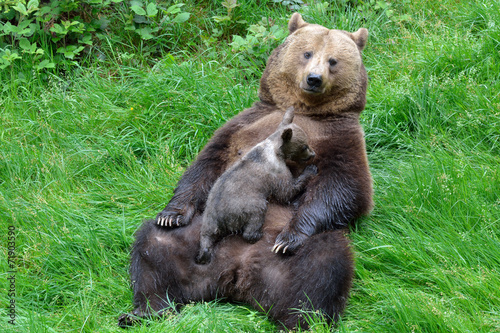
311	156
314	80
313	84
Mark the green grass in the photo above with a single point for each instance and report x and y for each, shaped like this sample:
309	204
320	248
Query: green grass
86	155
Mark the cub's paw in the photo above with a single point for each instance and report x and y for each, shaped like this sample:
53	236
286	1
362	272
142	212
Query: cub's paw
175	217
288	242
311	170
252	237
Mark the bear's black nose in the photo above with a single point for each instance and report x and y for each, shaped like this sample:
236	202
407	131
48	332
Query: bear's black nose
314	80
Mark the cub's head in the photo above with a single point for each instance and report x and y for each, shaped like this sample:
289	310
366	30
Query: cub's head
317	70
294	146
291	141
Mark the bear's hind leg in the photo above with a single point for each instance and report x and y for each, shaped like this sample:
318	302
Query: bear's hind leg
163	271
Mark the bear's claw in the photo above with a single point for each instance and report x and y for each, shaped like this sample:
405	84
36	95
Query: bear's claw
288	241
277	248
175	217
171	220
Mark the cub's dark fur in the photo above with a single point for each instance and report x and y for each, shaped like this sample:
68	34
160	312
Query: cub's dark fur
320	73
238	199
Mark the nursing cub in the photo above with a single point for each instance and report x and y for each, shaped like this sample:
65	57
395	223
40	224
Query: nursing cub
238	200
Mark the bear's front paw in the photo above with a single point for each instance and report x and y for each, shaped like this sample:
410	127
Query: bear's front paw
310	170
288	242
175	217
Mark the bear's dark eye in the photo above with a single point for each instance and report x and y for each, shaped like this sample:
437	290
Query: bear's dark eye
332	62
308	55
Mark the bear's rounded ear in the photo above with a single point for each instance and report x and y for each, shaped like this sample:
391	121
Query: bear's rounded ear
359	37
288	117
287	135
296	22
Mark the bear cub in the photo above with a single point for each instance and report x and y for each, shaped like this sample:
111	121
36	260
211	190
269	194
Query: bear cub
238	200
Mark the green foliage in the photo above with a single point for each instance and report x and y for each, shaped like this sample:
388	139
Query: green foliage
149	20
231	22
229	5
294	5
262	38
55	33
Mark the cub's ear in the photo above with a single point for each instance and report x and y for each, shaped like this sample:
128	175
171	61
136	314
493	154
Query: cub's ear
287	135
296	22
359	37
288	117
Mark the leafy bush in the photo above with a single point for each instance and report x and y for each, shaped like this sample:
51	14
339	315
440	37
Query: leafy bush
51	33
260	40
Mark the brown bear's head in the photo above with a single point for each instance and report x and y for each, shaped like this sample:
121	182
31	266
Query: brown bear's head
317	70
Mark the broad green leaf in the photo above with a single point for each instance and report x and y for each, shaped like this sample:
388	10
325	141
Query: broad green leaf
24	44
141	19
151	9
20	8
8	28
45	64
10	56
58	29
24	24
138	3
182	17
33	5
145	33
138	10
70	51
87	39
230	4
25	32
174	9
220	19
32	49
237	41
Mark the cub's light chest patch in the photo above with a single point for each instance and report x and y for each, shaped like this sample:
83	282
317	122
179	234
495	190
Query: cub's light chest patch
269	154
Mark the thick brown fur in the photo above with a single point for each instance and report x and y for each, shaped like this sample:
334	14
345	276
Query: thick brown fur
320	73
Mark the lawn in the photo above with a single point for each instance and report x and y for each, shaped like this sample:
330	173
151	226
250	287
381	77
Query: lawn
89	151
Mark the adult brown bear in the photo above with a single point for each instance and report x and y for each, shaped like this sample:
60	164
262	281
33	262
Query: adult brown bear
320	73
